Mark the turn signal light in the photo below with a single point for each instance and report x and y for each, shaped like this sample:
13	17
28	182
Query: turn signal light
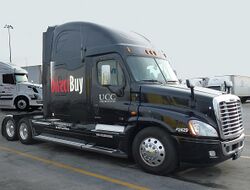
129	50
150	52
133	113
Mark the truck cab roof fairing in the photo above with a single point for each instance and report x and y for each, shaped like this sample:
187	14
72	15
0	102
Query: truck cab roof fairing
11	68
94	35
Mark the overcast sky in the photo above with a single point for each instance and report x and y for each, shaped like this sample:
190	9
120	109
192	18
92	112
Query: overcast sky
200	37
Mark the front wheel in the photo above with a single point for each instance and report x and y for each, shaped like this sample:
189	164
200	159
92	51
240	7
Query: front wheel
25	131
154	151
22	104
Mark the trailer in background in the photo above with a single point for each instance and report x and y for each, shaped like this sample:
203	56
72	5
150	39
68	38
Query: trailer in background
35	73
241	85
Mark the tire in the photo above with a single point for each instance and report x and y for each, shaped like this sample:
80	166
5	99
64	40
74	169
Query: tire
34	108
164	160
22	103
243	100
9	129
25	131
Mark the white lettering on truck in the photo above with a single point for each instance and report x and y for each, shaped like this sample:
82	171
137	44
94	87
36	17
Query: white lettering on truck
104	98
76	84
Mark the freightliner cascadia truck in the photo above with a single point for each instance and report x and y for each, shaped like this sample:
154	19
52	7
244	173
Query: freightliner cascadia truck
112	92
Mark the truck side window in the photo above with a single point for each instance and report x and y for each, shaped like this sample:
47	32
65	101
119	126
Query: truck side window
8	79
109	72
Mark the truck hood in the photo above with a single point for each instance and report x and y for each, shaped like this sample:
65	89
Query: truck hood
179	97
31	84
30	88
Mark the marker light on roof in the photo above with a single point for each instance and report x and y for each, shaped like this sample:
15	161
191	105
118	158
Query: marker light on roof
129	50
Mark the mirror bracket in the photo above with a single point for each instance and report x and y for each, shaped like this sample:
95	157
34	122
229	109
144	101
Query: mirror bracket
191	86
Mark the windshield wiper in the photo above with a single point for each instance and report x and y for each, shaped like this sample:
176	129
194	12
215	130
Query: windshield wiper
172	81
151	80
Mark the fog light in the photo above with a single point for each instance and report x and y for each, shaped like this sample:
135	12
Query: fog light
212	153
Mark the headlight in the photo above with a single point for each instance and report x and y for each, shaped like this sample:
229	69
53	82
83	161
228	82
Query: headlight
32	96
199	128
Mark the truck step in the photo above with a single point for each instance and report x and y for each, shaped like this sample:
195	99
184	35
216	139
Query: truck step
81	145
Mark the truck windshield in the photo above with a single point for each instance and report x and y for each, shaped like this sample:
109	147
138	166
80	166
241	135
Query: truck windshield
21	78
150	69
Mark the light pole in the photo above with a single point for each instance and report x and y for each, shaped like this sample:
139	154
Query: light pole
8	26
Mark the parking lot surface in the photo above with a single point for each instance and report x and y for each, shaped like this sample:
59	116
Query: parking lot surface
46	166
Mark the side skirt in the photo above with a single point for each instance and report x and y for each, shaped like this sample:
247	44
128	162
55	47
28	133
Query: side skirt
80	144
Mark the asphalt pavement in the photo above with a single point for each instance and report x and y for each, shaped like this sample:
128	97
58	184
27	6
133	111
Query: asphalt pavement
46	166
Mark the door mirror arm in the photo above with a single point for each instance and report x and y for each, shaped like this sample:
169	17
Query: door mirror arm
119	91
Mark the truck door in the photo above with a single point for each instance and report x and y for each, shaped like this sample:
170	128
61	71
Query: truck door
110	94
7	89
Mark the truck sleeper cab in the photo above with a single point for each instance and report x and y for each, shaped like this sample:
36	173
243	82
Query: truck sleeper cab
114	93
16	91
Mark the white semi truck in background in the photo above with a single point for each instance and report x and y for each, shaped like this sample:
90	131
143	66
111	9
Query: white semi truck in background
16	91
240	85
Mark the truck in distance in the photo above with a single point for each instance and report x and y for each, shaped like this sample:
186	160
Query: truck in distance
240	85
16	91
112	92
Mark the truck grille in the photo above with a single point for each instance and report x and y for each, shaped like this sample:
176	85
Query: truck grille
229	116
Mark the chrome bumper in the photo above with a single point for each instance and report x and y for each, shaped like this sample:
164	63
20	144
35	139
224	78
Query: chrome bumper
234	146
36	102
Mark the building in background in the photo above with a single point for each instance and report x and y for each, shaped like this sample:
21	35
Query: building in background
35	73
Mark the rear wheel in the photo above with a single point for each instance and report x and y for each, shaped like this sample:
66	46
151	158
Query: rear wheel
154	151
25	131
9	128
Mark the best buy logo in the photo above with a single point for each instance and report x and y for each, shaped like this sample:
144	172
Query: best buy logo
72	84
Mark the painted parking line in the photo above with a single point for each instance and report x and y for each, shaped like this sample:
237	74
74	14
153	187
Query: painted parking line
246	157
247	135
74	169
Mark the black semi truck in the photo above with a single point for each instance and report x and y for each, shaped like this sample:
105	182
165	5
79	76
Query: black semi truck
112	92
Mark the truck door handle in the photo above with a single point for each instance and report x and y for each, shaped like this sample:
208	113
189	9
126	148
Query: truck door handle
96	109
98	117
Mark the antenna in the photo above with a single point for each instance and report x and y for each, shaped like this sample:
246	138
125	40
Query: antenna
142	36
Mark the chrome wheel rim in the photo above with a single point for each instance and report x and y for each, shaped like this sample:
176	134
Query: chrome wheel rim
152	151
10	128
21	104
23	131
